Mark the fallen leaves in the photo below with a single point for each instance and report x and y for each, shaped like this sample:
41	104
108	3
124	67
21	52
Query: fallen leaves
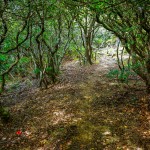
84	111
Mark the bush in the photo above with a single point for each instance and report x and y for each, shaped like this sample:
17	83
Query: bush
4	114
121	75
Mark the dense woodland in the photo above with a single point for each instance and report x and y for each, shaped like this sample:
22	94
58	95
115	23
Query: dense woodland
75	74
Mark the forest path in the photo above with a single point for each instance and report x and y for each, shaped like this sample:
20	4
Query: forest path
85	111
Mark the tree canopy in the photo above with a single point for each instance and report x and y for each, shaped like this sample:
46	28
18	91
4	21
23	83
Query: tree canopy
43	32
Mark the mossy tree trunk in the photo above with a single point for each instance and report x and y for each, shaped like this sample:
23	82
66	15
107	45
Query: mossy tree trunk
129	21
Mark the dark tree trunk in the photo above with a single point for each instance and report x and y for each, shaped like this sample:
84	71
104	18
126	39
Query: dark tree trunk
53	70
88	49
3	83
148	86
88	56
148	89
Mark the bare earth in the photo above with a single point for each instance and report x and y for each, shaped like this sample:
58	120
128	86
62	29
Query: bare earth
86	110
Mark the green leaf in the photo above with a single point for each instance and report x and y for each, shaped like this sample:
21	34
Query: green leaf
37	70
24	60
3	58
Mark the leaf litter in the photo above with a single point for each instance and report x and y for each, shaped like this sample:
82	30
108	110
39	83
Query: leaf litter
85	110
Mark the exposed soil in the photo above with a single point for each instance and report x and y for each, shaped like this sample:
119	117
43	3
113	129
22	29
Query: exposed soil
86	110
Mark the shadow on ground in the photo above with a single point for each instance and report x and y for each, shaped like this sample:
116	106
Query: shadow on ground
85	111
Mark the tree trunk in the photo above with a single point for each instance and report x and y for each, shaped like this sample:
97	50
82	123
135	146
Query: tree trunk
88	49
88	56
142	69
53	69
148	88
148	74
2	83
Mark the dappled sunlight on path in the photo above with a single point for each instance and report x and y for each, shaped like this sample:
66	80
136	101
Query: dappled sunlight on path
85	111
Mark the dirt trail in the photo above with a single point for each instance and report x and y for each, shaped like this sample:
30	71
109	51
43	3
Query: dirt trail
85	111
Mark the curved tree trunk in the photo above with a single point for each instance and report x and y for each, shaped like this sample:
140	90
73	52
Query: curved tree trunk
88	51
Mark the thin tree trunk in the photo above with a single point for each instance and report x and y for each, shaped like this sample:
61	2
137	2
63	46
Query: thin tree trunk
3	83
118	60
148	87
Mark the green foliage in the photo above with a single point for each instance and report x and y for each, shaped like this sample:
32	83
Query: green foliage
121	75
3	58
48	31
129	22
24	60
48	69
124	76
36	71
5	62
4	114
104	38
136	65
113	73
7	43
0	78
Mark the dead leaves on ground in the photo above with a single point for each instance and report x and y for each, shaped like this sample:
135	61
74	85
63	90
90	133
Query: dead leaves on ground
85	111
